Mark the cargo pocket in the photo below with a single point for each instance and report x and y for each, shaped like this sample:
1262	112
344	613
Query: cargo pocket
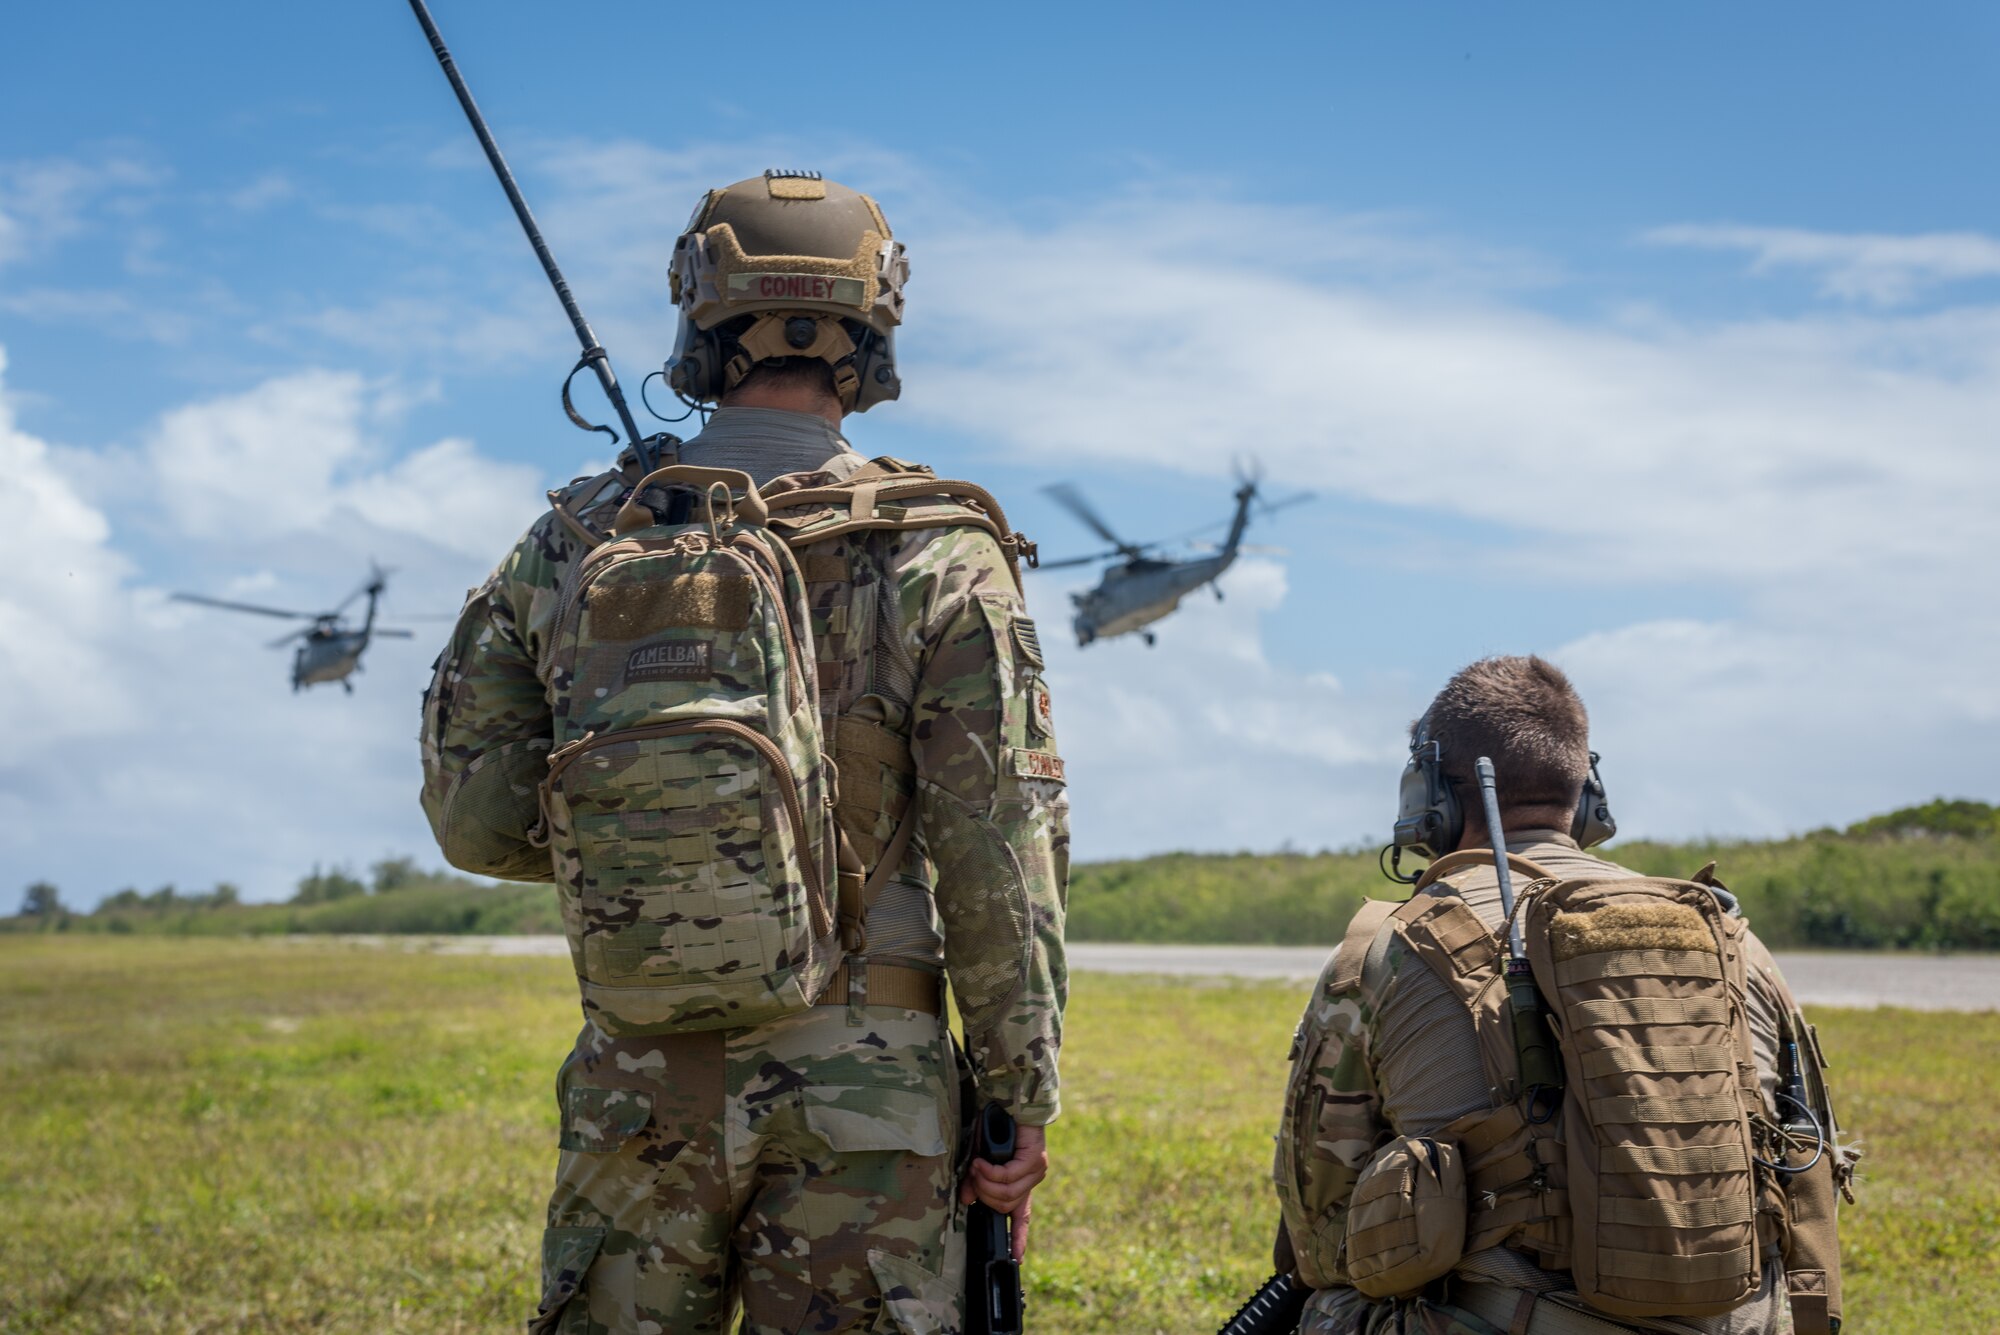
876	1117
597	1121
567	1254
915	1301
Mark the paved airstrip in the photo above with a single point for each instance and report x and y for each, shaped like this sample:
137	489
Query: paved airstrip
1920	982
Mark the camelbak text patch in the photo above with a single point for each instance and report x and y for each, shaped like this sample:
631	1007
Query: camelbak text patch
678	661
799	287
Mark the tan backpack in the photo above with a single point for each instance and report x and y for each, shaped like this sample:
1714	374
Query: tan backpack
1645	984
1643	1185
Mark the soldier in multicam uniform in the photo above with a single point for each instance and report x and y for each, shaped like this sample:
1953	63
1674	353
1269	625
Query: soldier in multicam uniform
1387	1049
809	1172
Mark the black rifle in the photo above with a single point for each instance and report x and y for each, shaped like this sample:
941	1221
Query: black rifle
594	355
993	1300
1272	1310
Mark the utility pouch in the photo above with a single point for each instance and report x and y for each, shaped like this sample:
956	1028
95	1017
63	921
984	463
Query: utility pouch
1812	1249
1406	1219
1812	1199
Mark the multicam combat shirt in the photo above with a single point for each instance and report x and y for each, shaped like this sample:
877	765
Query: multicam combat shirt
934	643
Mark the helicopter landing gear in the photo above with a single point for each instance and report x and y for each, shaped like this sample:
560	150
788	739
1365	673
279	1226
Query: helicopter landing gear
1218	591
347	685
1149	639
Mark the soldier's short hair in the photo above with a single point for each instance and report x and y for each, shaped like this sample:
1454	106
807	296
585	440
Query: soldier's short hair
1523	713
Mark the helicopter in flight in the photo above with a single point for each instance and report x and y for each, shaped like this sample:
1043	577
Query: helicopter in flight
1141	587
330	648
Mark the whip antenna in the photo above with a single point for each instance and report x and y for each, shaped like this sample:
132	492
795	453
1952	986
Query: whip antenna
594	355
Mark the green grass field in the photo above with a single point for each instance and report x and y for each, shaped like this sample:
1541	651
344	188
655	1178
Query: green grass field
231	1135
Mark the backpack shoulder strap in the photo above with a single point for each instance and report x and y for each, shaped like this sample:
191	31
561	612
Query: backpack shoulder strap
1360	935
1452	863
575	504
888	493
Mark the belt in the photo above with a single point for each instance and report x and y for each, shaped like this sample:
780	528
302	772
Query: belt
1519	1312
889	985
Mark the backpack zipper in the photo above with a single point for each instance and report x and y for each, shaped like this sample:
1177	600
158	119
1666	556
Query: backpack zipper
564	756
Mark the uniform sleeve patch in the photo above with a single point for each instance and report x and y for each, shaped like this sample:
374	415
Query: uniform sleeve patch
1025	764
1027	641
1041	715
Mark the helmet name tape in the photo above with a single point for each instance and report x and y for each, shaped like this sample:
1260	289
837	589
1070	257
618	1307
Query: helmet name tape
799	287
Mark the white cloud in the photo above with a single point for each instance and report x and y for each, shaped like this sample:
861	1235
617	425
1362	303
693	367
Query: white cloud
1829	479
106	312
1886	269
1203	742
57	607
1745	454
150	741
260	194
46	201
293	457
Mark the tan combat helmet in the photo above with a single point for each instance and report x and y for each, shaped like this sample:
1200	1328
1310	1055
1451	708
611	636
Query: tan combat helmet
788	264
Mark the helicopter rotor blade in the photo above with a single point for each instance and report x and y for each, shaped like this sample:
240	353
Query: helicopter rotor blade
242	607
1069	561
386	632
1070	499
1272	507
284	640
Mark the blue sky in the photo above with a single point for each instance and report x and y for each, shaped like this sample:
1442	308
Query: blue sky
1663	341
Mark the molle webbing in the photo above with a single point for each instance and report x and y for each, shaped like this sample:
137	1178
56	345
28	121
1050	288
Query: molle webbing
1643	978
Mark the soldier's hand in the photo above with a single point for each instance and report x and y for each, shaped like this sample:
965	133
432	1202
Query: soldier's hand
1004	1187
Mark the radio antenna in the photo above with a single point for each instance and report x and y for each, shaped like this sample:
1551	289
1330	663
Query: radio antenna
594	355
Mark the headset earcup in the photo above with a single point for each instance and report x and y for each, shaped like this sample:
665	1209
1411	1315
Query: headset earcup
1450	812
696	370
1592	824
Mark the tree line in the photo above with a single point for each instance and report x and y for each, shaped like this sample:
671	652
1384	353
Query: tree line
1923	878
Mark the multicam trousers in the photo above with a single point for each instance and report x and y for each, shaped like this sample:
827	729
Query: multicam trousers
802	1172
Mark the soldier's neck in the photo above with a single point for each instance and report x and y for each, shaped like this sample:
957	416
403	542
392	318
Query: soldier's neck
786	397
764	442
1518	822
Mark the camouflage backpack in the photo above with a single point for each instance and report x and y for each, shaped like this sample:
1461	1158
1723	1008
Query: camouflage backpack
686	802
691	799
